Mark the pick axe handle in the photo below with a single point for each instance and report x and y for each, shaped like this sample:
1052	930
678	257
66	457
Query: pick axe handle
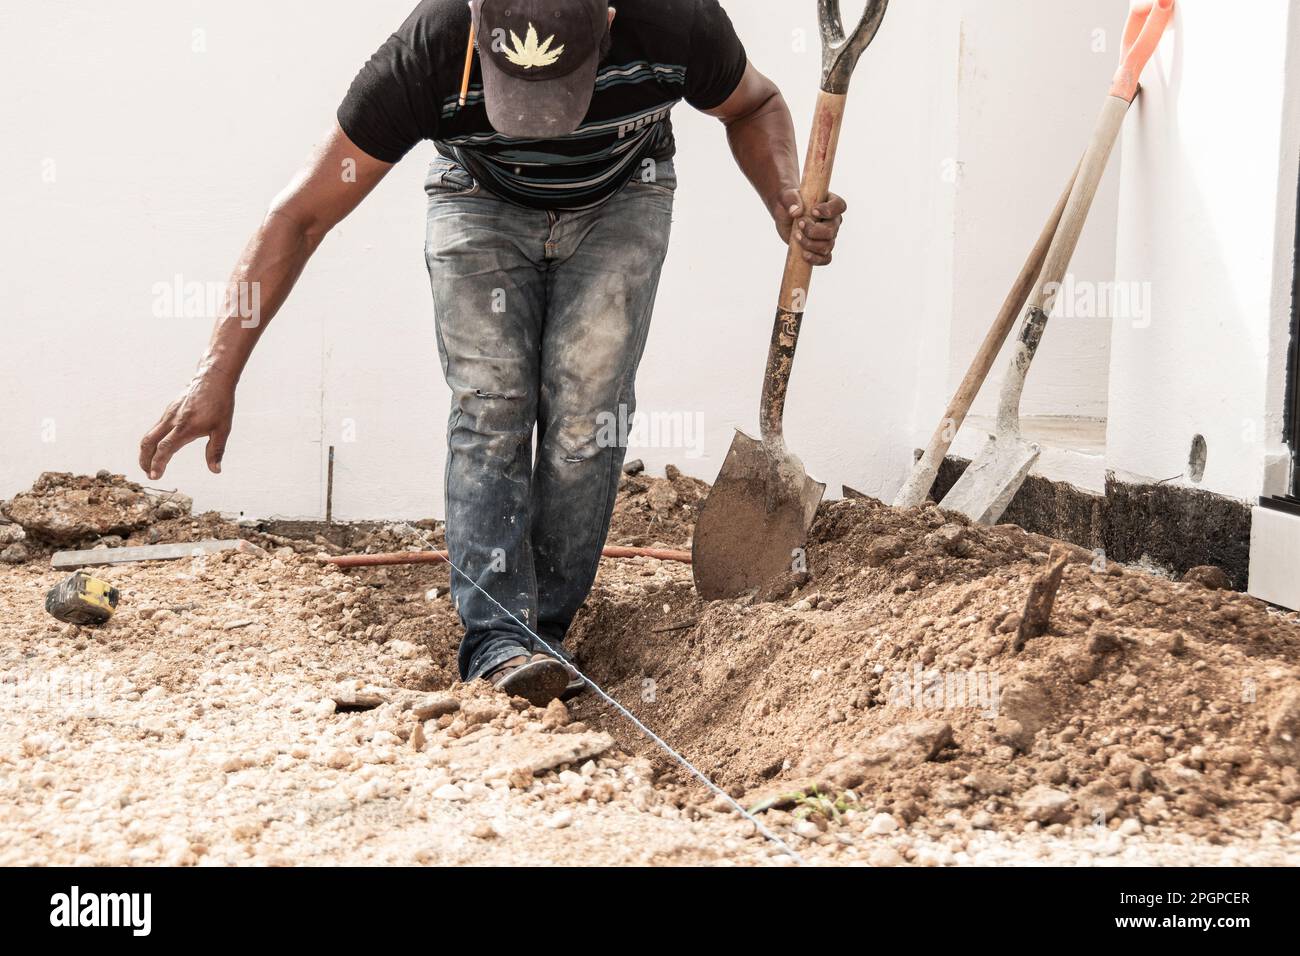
820	162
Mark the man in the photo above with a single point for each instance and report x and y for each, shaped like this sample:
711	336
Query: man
549	210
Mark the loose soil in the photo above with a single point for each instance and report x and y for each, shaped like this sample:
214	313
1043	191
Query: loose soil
246	709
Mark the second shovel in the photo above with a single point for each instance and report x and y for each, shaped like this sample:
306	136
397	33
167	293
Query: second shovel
763	503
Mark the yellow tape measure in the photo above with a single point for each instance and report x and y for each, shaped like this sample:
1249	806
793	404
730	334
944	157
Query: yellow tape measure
82	599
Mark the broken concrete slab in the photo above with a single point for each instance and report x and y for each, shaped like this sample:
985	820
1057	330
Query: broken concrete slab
64	508
153	552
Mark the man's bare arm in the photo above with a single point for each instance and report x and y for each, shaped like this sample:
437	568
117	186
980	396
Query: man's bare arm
761	134
329	186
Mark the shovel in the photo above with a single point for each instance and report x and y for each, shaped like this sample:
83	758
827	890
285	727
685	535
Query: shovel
758	513
986	488
916	490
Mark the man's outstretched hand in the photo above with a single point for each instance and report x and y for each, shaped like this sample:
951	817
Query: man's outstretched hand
205	409
818	232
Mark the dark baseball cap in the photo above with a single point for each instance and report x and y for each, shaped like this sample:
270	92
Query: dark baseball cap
539	60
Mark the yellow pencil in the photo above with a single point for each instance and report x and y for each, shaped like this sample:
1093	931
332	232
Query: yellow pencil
469	66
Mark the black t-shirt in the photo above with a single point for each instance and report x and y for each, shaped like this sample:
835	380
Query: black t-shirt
661	51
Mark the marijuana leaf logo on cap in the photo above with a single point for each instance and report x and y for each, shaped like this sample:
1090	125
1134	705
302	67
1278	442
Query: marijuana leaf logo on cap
528	53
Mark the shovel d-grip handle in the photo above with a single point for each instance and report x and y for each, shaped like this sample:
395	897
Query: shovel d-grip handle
1147	20
840	55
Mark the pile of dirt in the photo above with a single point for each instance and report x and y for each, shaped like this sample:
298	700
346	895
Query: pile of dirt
887	682
657	512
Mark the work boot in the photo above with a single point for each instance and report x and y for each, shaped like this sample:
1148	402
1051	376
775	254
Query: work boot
576	686
538	680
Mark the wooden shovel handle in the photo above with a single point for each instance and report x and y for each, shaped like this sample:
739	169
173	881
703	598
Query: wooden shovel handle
1058	258
820	162
917	488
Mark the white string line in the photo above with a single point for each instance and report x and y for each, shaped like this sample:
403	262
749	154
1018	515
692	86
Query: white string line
699	775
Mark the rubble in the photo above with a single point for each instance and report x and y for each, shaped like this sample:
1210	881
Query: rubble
62	508
289	712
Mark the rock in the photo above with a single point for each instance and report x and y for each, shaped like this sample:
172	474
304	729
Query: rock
986	783
882	824
982	820
1179	779
484	710
884	548
435	706
907	745
672	472
450	792
1082	665
11	534
949	538
561	820
1042	804
1098	606
339	760
1012	733
354	701
910	744
885	856
403	649
1099	800
1208	576
524	756
911	581
807	829
1130	827
953	797
175	505
1026	703
634	467
556	715
484	831
1103	642
16	553
1283	740
662	496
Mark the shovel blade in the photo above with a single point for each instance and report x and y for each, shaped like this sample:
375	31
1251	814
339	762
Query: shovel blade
987	486
754	520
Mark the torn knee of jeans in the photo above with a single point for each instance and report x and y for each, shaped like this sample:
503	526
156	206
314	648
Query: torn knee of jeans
494	403
578	440
502	421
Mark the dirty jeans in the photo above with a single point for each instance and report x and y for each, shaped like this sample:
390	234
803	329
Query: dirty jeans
542	319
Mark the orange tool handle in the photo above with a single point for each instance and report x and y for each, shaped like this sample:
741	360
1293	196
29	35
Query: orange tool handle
1147	20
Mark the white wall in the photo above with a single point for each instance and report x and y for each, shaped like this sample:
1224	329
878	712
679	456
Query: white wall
163	160
1033	78
1207	217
